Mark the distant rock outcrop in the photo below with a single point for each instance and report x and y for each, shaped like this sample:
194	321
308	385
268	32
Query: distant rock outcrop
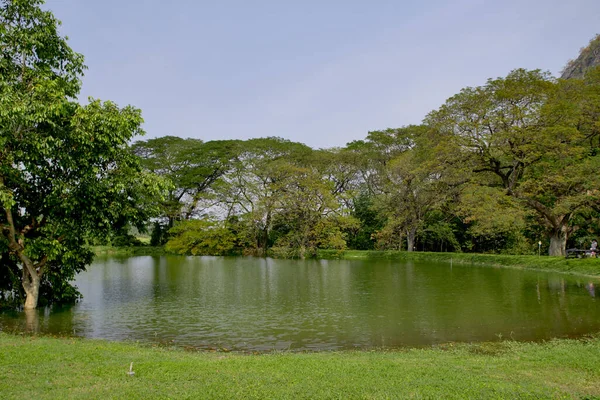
589	57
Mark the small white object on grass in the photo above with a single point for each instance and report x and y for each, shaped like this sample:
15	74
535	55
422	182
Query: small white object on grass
131	372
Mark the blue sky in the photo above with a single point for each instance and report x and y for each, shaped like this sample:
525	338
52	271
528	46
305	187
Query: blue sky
318	72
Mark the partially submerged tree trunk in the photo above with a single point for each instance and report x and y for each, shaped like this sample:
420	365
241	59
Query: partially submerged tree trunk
32	272
32	320
31	279
31	284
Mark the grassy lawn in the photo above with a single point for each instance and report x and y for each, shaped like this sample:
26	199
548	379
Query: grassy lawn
52	368
584	266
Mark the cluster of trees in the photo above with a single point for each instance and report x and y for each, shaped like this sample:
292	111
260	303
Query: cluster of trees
497	168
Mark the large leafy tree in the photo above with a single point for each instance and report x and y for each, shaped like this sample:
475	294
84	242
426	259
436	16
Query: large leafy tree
66	174
401	172
254	190
524	142
193	168
310	216
375	154
414	184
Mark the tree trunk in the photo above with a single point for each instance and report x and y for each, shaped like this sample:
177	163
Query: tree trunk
32	320
31	276
265	234
558	242
31	284
410	239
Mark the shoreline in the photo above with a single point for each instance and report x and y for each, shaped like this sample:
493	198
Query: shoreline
586	267
47	367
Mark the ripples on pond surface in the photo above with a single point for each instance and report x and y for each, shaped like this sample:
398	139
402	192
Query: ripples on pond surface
264	304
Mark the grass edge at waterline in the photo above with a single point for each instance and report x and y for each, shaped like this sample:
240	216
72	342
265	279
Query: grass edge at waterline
46	367
585	266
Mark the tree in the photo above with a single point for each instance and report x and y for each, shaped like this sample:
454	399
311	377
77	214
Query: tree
201	237
66	174
191	165
403	175
340	167
369	221
522	142
168	157
254	189
310	216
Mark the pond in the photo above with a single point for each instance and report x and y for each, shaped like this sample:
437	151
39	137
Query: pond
255	304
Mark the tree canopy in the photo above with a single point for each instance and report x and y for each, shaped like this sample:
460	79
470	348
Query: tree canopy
66	174
498	167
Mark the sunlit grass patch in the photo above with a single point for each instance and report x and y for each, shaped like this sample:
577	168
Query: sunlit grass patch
49	368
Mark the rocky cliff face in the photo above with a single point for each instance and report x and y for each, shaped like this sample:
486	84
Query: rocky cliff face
588	57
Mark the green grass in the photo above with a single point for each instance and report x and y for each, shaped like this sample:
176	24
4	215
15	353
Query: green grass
585	266
52	368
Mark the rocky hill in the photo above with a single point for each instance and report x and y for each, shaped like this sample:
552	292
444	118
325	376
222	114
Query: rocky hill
589	57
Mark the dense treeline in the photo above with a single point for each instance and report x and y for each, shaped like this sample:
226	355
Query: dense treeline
497	168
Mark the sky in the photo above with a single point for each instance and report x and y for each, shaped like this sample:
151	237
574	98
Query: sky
320	72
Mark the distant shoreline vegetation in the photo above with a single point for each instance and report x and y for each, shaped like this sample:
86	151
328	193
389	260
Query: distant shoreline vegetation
509	167
589	267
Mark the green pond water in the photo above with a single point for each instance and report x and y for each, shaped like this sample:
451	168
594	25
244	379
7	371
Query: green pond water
255	304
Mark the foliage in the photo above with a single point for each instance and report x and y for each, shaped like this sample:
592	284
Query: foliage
66	175
128	251
522	136
308	220
158	237
192	167
439	231
369	222
201	237
489	211
496	169
255	191
405	182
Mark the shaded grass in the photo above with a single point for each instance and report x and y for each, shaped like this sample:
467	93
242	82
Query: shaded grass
129	250
50	368
585	266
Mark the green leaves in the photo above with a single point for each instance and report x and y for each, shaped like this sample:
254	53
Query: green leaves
190	165
524	138
66	171
201	237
